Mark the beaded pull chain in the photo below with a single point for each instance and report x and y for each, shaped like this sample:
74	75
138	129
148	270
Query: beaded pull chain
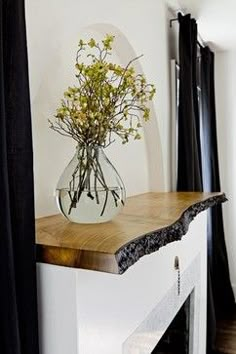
177	268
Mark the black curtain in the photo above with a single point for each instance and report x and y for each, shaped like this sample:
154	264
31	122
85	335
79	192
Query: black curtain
18	314
189	177
198	162
221	290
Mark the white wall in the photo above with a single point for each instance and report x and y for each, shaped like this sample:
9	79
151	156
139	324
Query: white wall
226	119
53	29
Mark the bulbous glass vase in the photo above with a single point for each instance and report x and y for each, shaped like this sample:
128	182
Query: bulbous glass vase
90	190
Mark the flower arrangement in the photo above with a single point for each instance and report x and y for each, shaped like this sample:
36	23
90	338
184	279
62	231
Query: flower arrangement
108	100
107	95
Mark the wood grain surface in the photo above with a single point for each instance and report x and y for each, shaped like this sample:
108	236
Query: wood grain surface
94	246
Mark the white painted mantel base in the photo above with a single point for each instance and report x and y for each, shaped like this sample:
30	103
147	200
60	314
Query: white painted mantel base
89	312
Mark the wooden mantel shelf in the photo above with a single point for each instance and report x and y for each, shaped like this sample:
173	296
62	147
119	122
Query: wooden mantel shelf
147	222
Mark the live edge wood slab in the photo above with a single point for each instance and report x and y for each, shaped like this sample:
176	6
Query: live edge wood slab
147	222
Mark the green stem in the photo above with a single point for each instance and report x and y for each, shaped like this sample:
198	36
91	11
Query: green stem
88	161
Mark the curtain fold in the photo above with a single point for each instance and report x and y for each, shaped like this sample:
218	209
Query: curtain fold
18	307
198	163
189	177
217	255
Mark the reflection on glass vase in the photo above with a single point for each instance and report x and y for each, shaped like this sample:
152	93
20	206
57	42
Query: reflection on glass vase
90	190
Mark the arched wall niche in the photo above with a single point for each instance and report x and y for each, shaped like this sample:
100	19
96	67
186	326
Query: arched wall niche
140	163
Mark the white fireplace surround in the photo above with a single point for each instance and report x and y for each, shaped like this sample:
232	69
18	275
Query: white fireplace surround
90	312
145	338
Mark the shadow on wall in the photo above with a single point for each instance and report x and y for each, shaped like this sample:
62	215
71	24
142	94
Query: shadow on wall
125	52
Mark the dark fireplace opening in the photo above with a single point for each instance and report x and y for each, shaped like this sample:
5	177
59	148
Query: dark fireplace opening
176	338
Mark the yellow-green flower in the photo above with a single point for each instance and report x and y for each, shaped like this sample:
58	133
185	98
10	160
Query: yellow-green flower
92	43
107	99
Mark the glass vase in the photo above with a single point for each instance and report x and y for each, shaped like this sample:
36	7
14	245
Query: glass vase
90	190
